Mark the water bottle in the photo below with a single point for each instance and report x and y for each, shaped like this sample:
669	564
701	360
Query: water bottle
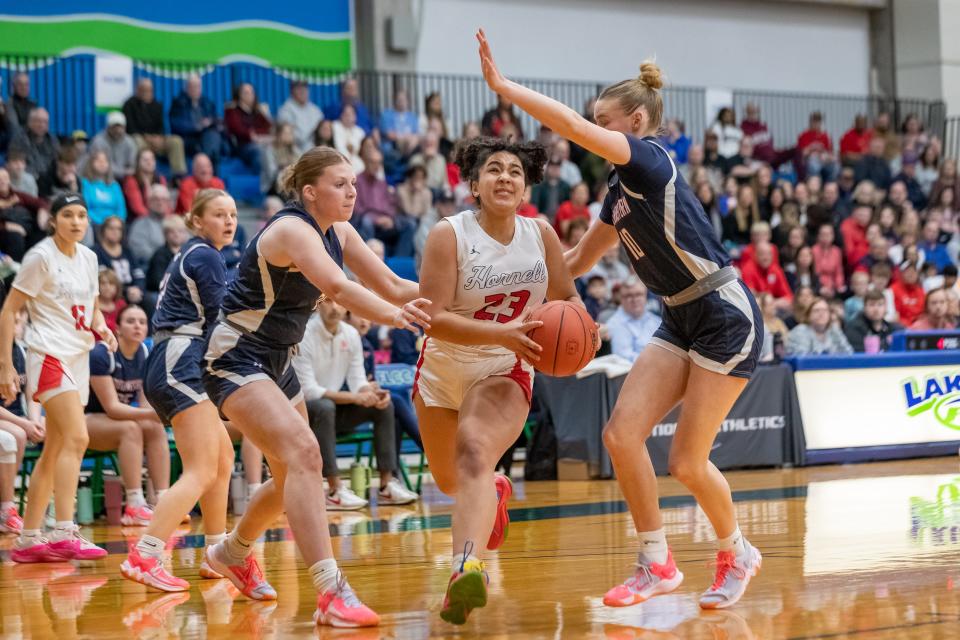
84	503
113	499
359	478
238	491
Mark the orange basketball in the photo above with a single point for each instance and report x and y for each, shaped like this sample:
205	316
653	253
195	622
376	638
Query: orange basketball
569	337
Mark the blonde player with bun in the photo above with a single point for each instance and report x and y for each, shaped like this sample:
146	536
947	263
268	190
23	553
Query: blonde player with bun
706	347
189	302
57	284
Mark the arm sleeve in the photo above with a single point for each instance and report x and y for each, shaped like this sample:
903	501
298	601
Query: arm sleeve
649	168
356	374
303	364
206	268
32	274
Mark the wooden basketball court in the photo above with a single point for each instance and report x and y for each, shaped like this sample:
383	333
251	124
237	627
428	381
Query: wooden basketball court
864	551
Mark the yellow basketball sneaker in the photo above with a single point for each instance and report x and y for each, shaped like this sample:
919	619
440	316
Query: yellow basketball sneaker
466	591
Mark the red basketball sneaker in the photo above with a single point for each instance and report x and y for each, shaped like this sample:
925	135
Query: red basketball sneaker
501	526
650	580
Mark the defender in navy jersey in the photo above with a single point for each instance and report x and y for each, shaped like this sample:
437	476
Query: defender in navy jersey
115	424
187	306
706	347
286	268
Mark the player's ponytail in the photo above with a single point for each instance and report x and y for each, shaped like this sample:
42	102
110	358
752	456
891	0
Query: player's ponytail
307	169
642	91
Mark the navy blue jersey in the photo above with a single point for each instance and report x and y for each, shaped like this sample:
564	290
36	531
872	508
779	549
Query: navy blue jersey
192	290
272	304
127	374
17	407
660	221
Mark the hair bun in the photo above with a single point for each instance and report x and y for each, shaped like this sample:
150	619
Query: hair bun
650	74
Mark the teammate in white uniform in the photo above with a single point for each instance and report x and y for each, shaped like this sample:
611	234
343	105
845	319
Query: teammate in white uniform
57	284
474	379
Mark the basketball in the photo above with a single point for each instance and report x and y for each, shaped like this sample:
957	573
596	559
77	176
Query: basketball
569	338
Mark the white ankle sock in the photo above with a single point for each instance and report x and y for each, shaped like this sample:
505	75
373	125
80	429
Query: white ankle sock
237	548
459	559
214	538
734	542
324	574
150	547
653	546
28	538
135	498
61	531
5	506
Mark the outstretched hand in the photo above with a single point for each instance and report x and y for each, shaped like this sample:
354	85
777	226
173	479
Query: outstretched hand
491	74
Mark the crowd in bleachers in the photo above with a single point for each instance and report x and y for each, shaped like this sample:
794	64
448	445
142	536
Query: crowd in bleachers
843	243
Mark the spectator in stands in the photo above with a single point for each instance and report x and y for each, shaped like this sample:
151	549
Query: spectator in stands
881	275
145	123
112	254
947	181
36	143
908	176
20	179
596	298
913	137
272	205
136	187
433	111
174	235
803	273
828	261
612	268
433	162
897	194
62	176
763	275
413	194
8	124
816	335
743	166
303	115
572	209
331	357
193	117
854	233
22	216
348	136
934	251
676	141
576	229
816	150
500	116
248	124
146	233
202	178
549	194
928	168
632	326
727	132
879	252
444	206
756	129
569	172
399	126
101	191
760	233
936	313
350	95
882	128
846	184
859	285
856	141
376	209
772	322
908	296
20	104
830	202
323	136
119	147
110	299
279	154
870	322
737	223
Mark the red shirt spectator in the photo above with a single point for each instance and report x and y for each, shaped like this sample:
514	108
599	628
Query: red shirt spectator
815	135
854	232
908	296
763	275
527	210
856	141
828	263
136	192
244	118
749	254
202	178
756	129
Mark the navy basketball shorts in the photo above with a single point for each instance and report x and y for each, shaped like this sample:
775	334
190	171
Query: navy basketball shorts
174	378
721	331
233	360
